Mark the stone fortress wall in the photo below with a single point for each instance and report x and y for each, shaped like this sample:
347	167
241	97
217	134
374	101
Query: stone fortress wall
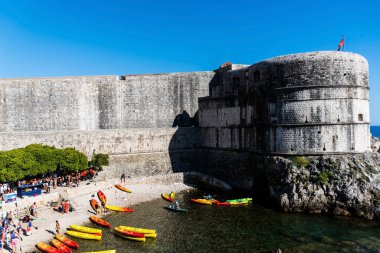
129	117
311	103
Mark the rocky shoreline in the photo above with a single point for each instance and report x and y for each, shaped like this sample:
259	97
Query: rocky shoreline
347	185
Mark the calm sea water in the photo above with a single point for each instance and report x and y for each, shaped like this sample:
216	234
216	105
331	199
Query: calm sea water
375	131
236	229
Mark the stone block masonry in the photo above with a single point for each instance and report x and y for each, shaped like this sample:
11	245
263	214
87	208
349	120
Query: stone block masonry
99	102
310	103
303	104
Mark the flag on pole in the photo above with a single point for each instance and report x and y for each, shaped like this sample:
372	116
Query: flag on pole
341	44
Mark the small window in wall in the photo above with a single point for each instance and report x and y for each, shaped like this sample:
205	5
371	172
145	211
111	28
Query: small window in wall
256	76
360	117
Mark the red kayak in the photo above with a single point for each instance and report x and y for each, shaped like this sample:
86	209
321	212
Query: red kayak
47	248
102	197
222	203
99	221
67	241
61	246
128	233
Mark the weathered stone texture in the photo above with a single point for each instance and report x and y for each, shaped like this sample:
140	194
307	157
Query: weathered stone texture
99	102
296	104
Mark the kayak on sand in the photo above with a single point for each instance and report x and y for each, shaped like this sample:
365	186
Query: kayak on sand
94	203
47	248
61	246
102	197
120	187
67	241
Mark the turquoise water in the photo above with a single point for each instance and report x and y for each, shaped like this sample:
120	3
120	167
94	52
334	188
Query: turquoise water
253	228
375	131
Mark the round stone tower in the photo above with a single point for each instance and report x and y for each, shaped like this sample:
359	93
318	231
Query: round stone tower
319	102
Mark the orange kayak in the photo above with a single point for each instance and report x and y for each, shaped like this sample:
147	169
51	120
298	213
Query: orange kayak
61	246
120	187
128	233
99	221
47	248
94	203
67	241
119	208
102	197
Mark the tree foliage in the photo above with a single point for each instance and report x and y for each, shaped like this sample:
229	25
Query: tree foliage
37	159
101	160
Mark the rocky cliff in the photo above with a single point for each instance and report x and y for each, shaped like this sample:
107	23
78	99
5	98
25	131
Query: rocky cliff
346	185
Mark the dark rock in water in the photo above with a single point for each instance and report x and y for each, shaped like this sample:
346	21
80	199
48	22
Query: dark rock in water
347	185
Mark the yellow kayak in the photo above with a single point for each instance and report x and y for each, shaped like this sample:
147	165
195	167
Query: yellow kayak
86	229
139	230
119	208
103	251
83	235
138	239
203	201
150	235
239	203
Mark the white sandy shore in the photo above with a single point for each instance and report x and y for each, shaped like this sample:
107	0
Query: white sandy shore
143	189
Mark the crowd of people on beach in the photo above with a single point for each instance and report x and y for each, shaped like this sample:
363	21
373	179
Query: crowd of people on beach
6	188
48	182
11	233
11	229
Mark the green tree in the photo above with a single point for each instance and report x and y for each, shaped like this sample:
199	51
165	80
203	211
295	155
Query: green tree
37	159
101	160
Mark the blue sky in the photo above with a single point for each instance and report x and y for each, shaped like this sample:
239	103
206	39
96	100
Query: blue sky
60	38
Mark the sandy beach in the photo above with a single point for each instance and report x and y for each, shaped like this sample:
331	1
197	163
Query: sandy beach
143	189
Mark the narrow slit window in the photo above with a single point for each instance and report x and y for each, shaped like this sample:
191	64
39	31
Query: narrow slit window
360	117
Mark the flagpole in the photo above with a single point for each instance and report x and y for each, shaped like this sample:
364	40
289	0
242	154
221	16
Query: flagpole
344	44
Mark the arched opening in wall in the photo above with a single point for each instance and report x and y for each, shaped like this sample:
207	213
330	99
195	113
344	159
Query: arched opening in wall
256	76
360	117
